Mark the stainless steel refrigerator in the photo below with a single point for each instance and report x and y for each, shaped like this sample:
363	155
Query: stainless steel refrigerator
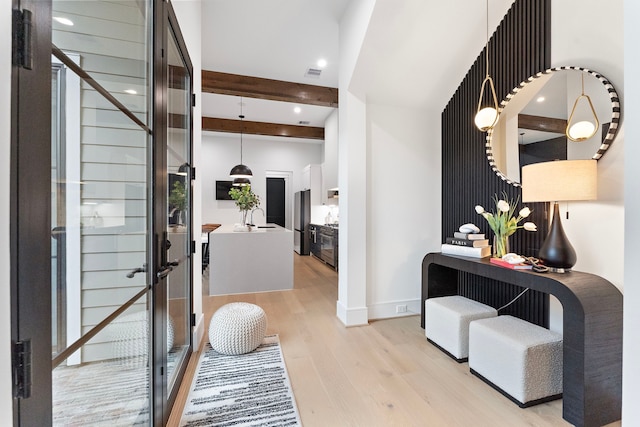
301	220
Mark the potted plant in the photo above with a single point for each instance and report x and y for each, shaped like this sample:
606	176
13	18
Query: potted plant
177	202
245	200
504	222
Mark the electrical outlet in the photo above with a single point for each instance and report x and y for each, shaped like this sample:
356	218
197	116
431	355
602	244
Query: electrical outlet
401	308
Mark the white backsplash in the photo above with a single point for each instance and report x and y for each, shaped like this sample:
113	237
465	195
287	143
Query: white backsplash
319	214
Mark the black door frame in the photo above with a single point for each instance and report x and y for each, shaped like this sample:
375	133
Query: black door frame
30	219
165	21
30	187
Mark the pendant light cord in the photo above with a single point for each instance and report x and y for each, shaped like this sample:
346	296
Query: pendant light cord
486	50
241	129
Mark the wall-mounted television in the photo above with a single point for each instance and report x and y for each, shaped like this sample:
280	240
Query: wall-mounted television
222	190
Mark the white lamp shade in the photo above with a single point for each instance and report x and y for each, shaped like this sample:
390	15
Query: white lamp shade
486	118
582	130
562	180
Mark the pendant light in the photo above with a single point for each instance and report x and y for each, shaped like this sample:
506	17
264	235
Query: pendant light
241	182
241	170
583	130
486	118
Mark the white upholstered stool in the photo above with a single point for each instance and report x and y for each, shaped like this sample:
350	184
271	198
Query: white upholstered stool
518	358
447	323
237	328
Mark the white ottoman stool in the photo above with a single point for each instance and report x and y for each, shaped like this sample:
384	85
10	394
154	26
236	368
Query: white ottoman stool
521	360
237	328
447	323
129	336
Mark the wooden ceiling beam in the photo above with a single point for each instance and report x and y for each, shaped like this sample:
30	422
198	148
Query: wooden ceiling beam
544	124
213	124
274	90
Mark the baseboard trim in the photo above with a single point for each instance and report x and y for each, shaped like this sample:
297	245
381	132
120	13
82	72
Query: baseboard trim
352	316
198	331
387	310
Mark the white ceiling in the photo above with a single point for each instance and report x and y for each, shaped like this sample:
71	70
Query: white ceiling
274	39
415	54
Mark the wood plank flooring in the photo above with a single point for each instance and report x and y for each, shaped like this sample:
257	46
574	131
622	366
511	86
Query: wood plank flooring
383	374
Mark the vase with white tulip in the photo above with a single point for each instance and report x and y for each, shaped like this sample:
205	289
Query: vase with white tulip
503	222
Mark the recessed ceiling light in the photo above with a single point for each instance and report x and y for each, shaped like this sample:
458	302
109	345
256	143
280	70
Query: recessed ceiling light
297	110
321	63
63	21
540	99
131	91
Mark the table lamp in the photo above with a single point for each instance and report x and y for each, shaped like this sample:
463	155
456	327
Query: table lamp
561	180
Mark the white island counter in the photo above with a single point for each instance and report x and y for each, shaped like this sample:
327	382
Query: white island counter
254	261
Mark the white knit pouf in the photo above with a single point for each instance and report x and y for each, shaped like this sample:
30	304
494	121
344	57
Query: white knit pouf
237	328
447	322
129	336
521	359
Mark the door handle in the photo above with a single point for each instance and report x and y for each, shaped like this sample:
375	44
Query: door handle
132	273
168	268
164	272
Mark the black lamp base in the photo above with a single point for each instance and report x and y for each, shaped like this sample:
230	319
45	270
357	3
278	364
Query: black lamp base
556	251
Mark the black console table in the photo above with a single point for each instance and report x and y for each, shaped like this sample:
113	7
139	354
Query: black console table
592	318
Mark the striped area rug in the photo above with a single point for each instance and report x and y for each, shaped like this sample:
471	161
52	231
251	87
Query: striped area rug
251	389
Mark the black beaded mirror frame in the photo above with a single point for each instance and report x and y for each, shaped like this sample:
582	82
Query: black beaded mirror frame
611	133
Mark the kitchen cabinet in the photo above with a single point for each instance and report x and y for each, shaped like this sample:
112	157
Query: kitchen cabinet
315	240
324	244
330	165
312	180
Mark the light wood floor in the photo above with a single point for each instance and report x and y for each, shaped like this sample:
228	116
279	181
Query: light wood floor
383	374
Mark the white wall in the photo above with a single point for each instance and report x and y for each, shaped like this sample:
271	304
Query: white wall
6	401
388	219
631	368
403	222
597	224
189	13
220	152
600	49
351	307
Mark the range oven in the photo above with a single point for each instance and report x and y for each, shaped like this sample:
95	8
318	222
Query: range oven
324	244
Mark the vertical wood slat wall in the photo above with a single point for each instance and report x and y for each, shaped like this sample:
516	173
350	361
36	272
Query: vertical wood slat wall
519	48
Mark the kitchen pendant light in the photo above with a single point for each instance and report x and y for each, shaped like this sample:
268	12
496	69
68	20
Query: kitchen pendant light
241	182
582	130
241	170
487	117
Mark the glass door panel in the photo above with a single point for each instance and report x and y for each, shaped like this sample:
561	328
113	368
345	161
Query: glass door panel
101	213
112	38
179	204
113	390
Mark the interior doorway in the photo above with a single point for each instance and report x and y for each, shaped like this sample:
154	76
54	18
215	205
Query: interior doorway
282	188
276	212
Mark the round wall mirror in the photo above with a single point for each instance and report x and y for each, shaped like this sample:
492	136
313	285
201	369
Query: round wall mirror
534	117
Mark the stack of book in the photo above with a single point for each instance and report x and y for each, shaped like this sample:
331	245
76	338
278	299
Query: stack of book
506	264
467	244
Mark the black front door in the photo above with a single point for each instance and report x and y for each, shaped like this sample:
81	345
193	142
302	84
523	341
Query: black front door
276	201
92	140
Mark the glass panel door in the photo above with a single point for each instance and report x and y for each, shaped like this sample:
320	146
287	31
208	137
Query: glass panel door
178	301
101	212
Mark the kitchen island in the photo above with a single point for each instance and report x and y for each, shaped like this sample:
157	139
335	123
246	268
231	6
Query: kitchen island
260	260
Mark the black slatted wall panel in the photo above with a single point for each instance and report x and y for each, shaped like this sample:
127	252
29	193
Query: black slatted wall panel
519	48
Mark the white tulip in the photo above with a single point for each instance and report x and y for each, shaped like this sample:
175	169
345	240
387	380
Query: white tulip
503	206
529	226
524	212
479	209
